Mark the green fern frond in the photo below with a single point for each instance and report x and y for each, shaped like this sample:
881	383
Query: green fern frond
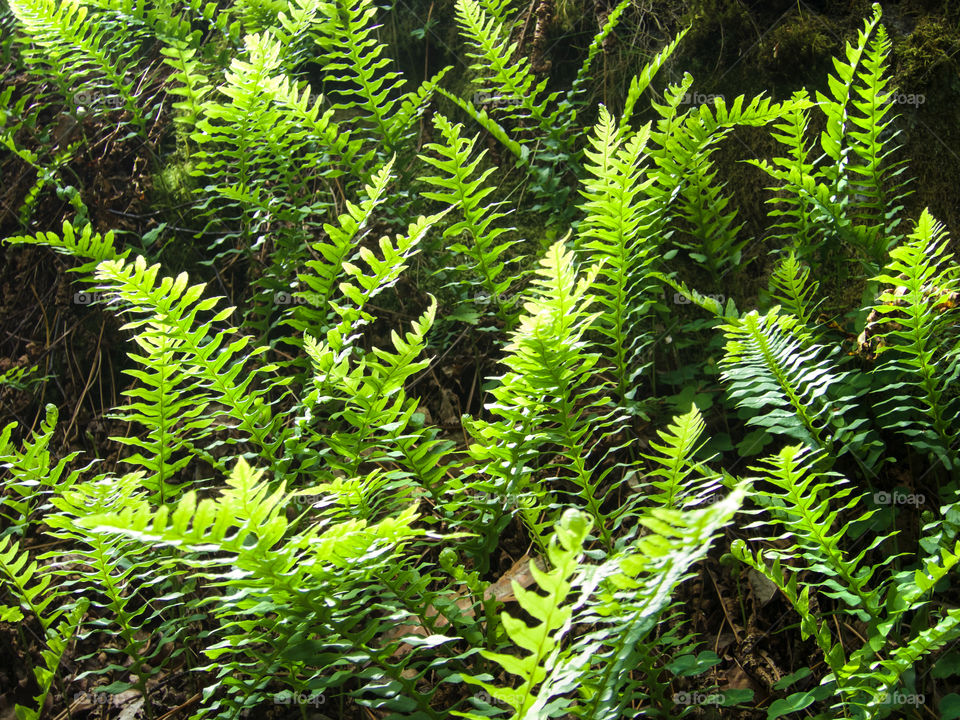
264	149
493	55
189	80
57	640
548	397
381	273
79	243
567	110
790	285
614	231
79	53
816	510
168	313
464	188
519	151
808	505
793	386
915	327
116	574
278	583
680	444
33	473
340	246
353	55
621	599
857	138
685	172
542	640
642	80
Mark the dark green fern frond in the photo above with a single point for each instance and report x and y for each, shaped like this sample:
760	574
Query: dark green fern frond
857	139
793	386
685	172
340	246
915	325
615	233
463	187
791	286
117	575
353	56
81	56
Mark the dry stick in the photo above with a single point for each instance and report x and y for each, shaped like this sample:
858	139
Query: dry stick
86	387
723	607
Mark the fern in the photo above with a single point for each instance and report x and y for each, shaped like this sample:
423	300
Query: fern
540	641
614	231
796	386
351	54
57	640
683	146
33	474
677	475
791	286
548	398
914	325
808	505
464	188
796	204
264	148
621	598
192	83
642	80
492	54
208	362
30	585
119	571
272	575
340	246
79	54
857	116
86	244
852	196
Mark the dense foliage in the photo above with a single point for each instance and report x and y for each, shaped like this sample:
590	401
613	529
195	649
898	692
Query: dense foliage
286	523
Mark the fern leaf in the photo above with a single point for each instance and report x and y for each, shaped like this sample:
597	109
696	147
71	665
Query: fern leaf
464	188
914	322
614	231
795	385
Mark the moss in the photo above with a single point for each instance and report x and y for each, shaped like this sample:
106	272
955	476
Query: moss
932	43
802	40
